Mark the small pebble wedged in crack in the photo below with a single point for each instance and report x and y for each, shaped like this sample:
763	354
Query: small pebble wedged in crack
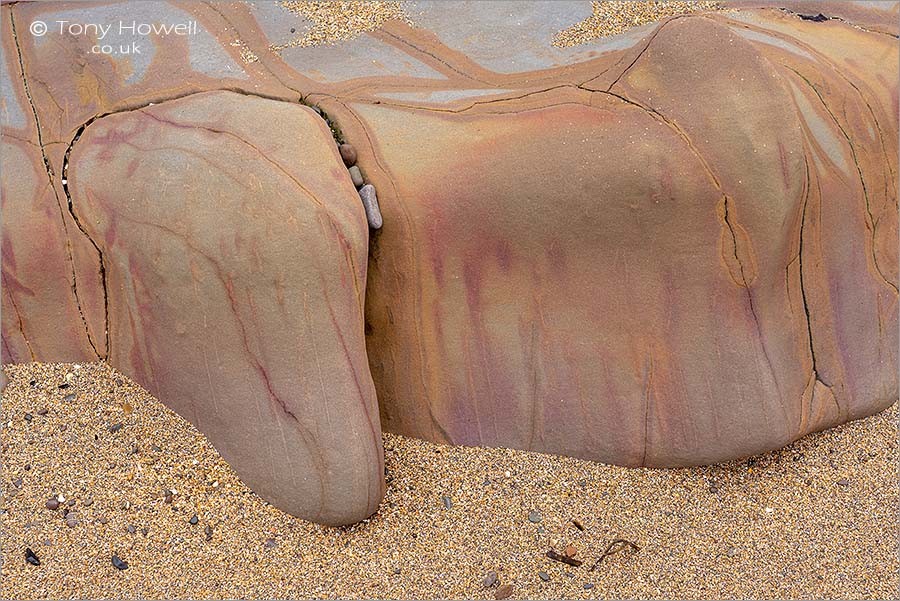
370	203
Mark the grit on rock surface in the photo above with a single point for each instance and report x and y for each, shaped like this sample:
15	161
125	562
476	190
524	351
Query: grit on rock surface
132	479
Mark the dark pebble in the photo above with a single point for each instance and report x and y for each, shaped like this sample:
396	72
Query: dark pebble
52	504
486	482
588	585
131	529
270	543
544	576
503	592
118	563
348	154
33	383
28	417
396	571
491	579
293	30
145	531
194	519
103	519
447	502
569	574
17	482
31	558
69	397
63	386
843	482
71	522
115	427
71	502
534	517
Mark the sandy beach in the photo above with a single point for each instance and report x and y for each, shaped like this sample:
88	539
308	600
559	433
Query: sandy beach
130	478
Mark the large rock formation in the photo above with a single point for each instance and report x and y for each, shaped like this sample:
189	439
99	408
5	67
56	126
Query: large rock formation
668	247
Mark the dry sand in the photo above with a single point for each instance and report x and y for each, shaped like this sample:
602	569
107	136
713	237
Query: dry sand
334	22
612	17
818	519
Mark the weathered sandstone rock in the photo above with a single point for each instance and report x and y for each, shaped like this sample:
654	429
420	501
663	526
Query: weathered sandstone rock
235	251
673	246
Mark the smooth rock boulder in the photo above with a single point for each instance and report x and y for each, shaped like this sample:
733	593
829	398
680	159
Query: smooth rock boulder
654	268
235	250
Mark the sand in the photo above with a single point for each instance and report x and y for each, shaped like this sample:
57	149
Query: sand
612	17
334	22
818	519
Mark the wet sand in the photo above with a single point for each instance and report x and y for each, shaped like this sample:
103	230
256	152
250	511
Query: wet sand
815	520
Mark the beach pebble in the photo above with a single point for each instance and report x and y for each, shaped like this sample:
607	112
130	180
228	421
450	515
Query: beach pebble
503	592
52	504
534	517
118	563
43	411
115	427
69	397
348	154
270	543
28	417
570	551
31	558
843	482
194	519
491	579
447	502
370	203
544	576
71	520
588	585
356	176
131	529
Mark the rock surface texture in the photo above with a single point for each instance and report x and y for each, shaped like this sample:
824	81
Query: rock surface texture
673	246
